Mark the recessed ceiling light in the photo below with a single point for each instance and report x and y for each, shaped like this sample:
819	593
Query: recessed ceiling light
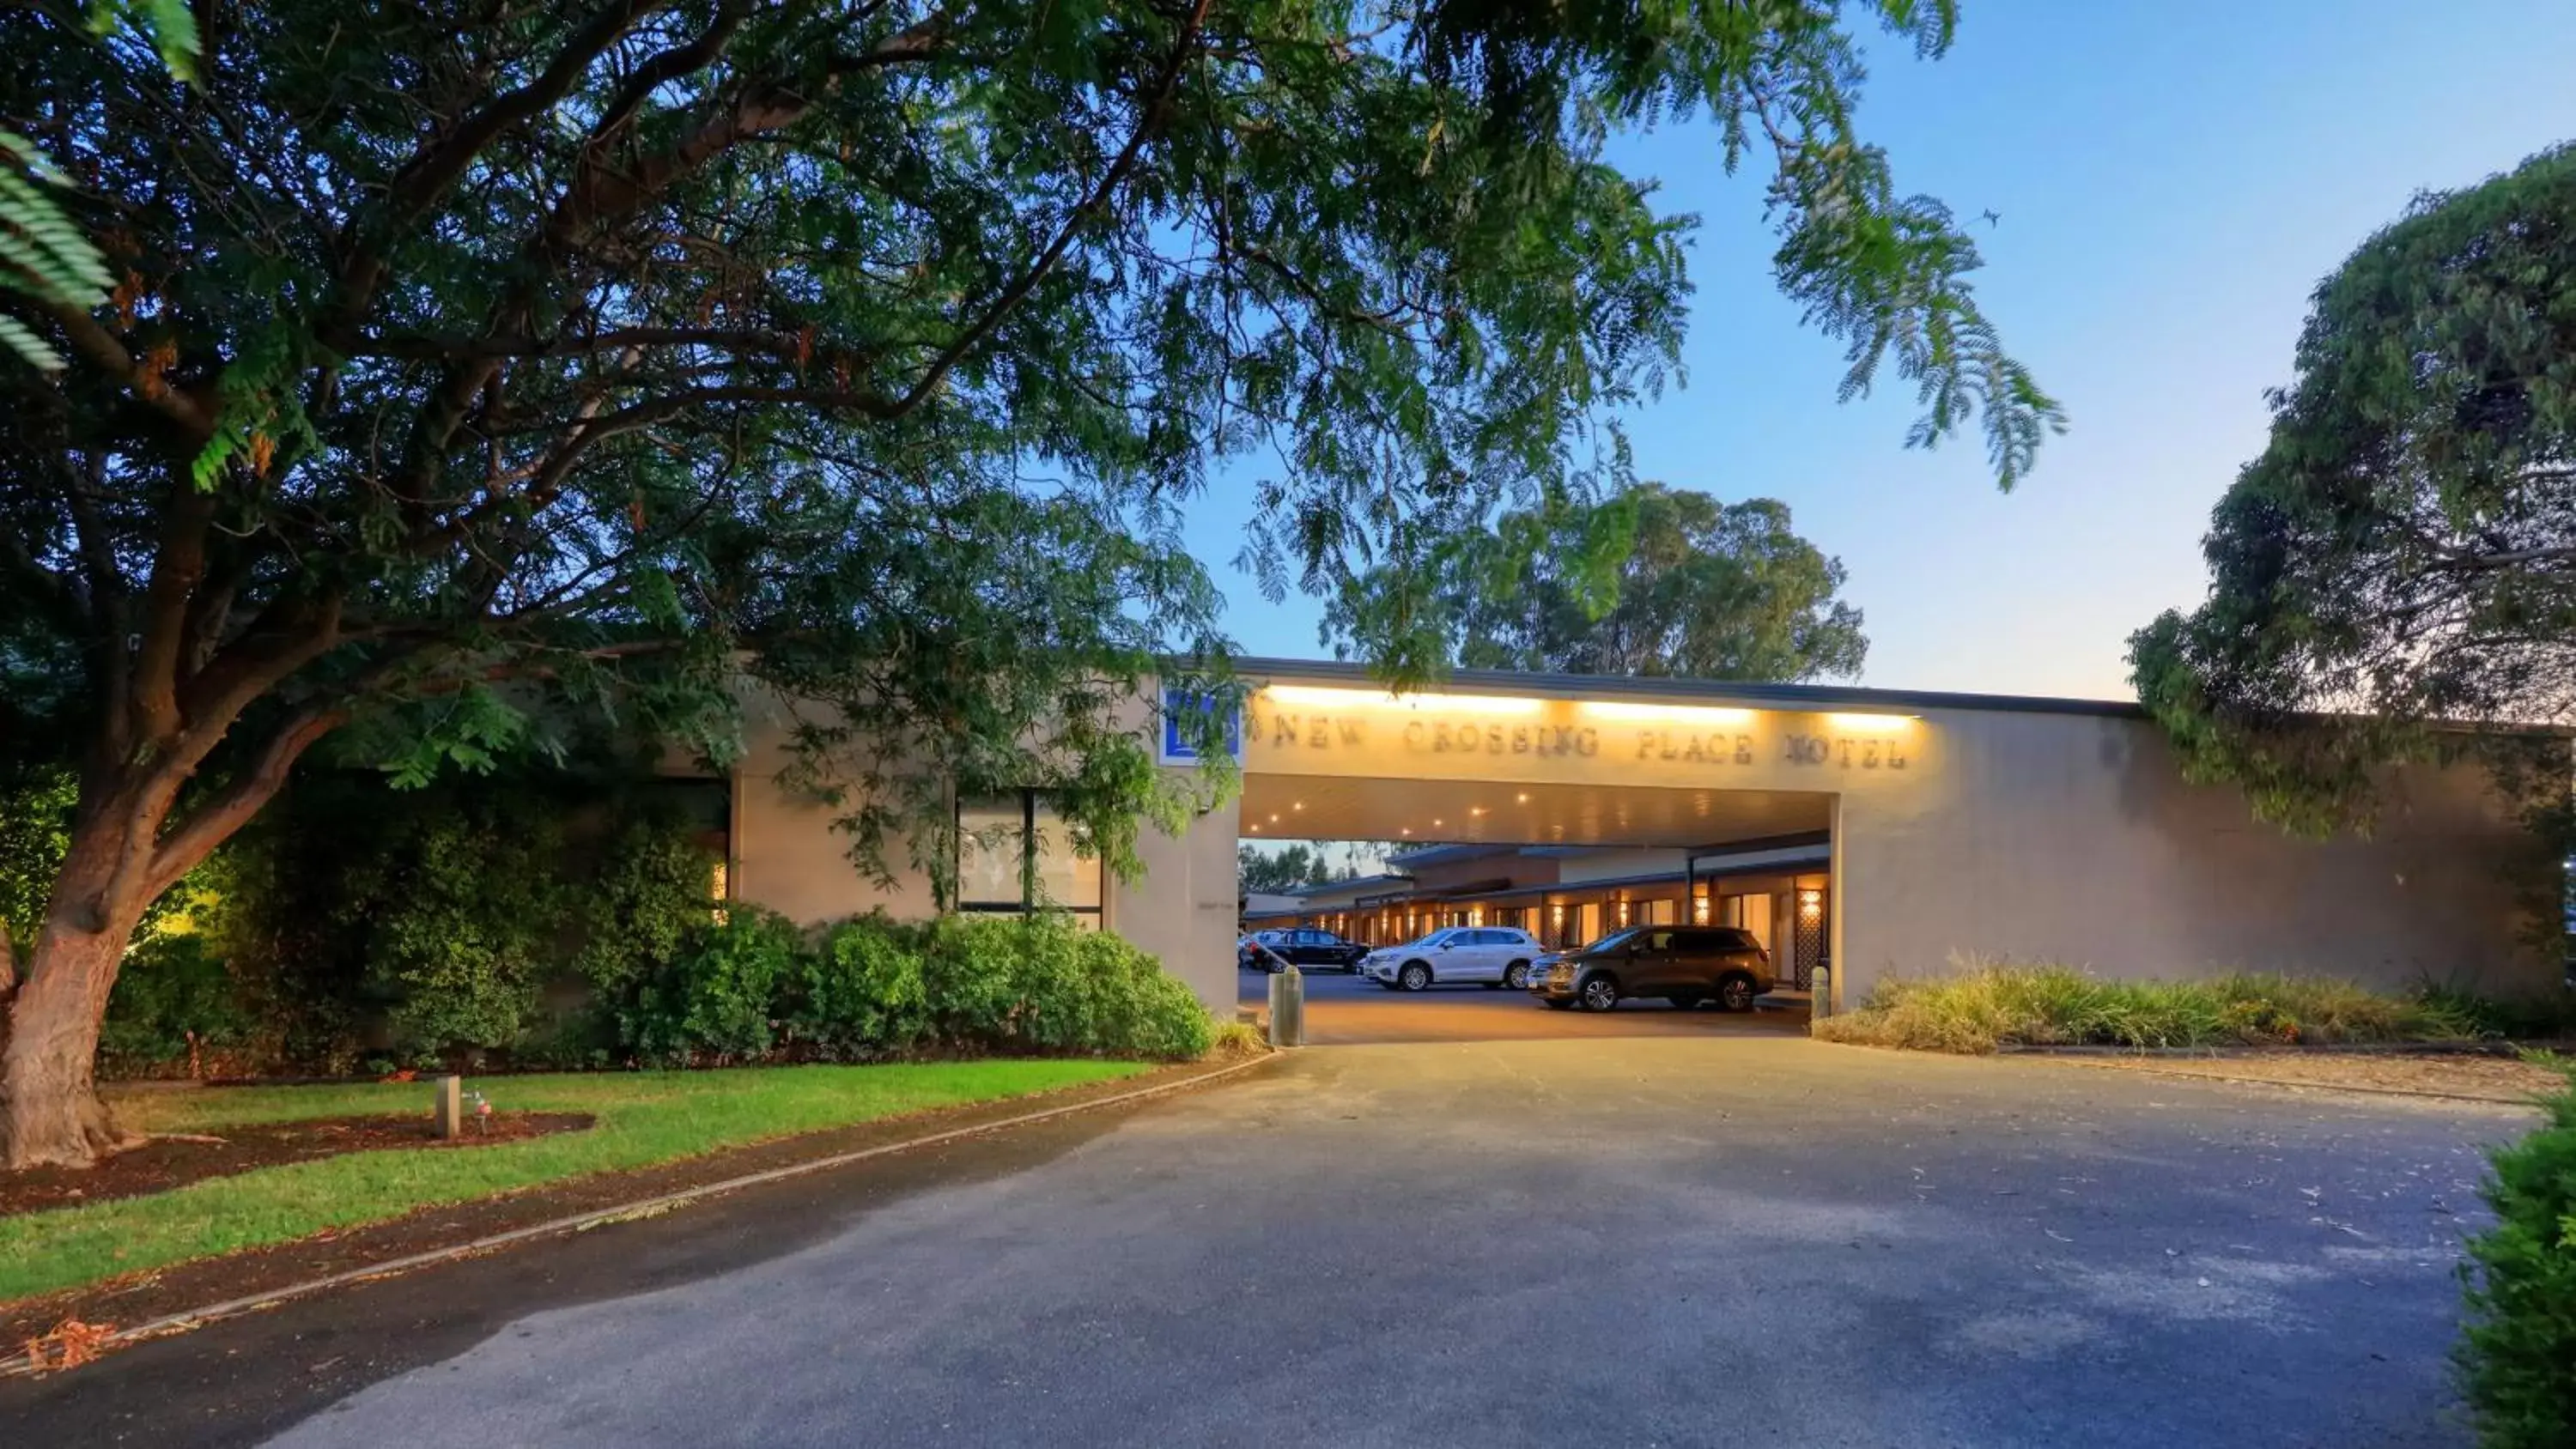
1274	819
1408	830
1475	809
1300	805
1435	824
1522	797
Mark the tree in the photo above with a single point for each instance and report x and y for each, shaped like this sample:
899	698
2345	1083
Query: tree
1289	868
474	369
1651	581
2401	560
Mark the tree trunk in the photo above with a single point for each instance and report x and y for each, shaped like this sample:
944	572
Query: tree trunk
49	1107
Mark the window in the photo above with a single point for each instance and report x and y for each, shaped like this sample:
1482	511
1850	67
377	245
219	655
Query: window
1015	854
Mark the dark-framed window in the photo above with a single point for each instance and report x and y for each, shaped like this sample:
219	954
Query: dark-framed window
1014	853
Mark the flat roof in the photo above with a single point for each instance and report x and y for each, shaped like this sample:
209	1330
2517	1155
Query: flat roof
1598	686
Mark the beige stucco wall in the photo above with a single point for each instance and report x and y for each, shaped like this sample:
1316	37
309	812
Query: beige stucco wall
787	856
2027	835
2075	838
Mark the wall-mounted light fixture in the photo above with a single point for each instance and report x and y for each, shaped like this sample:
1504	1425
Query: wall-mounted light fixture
1811	903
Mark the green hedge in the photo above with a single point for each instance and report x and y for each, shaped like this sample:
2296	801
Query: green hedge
2517	1354
873	987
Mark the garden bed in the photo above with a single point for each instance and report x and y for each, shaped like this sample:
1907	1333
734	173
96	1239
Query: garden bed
2476	1076
161	1164
1983	1008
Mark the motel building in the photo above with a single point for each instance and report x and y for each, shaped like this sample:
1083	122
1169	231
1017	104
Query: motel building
1875	831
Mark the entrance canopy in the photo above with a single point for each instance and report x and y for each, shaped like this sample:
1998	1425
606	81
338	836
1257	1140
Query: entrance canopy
1350	807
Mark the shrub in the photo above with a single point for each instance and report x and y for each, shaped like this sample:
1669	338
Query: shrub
462	924
1983	1006
992	983
2517	1353
862	994
172	994
714	997
970	973
652	888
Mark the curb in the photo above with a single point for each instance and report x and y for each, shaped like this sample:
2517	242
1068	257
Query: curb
21	1365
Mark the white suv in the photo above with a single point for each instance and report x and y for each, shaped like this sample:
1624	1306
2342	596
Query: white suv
1491	955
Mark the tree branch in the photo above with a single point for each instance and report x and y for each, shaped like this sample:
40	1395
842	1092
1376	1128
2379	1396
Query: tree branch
180	851
1147	126
99	347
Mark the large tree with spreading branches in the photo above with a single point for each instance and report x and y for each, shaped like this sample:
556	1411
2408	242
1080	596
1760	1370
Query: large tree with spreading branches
2394	578
424	377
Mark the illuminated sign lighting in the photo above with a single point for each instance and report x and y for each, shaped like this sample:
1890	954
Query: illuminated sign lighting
1875	723
1327	696
1619	709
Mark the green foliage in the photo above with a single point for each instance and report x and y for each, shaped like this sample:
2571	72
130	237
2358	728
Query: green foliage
2517	1352
172	994
875	987
491	433
361	919
713	1001
1651	581
652	887
863	993
462	919
35	830
1982	1006
1286	869
2397	557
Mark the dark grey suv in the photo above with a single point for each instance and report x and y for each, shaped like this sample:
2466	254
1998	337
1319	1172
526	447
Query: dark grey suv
1685	965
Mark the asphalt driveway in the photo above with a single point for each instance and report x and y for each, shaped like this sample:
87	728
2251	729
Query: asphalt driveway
1634	1240
1346	1010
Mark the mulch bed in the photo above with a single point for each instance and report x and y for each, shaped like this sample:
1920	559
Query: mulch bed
173	1161
143	1297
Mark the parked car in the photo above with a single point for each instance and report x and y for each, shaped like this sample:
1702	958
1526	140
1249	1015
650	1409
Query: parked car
1306	946
1685	965
1491	955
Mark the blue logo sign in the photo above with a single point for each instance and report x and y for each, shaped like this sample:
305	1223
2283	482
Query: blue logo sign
1178	705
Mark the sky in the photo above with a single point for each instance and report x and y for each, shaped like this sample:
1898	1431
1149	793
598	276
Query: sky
2172	180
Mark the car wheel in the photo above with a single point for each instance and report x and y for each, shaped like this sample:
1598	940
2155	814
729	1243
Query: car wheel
1516	976
1599	992
1414	977
1735	992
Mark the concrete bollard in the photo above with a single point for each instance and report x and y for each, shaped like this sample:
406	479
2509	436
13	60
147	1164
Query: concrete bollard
447	1109
1288	1007
1821	988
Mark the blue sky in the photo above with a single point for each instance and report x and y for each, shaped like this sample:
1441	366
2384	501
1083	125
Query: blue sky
2173	180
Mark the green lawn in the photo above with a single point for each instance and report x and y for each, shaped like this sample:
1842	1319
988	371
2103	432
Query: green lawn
644	1118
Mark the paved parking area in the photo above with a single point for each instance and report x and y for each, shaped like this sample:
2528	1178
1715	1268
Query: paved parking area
1741	1239
1343	1010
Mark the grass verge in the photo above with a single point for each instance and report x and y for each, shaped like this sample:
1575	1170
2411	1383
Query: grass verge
1984	1006
643	1119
